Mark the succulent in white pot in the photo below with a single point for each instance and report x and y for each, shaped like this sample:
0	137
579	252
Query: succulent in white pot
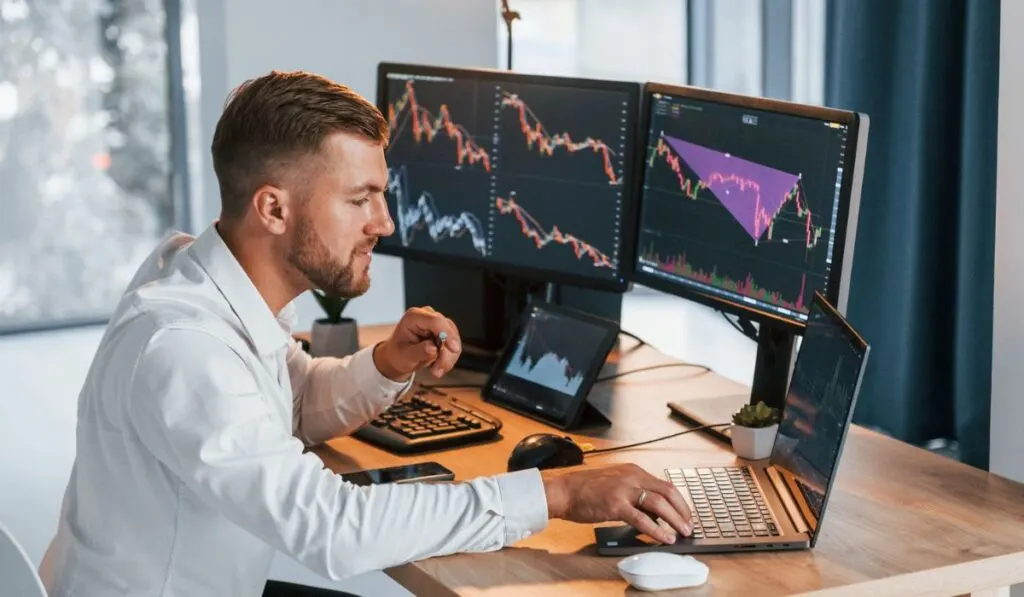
333	335
754	429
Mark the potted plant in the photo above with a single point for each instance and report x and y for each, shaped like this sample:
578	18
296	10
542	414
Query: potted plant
753	431
334	335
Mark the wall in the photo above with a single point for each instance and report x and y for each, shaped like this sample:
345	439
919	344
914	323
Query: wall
1007	442
42	373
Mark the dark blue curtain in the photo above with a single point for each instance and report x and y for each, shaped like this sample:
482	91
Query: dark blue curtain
926	72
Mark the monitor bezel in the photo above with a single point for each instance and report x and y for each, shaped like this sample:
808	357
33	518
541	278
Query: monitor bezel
838	283
839	321
630	211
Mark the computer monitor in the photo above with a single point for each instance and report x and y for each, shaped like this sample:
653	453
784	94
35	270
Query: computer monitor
749	205
522	175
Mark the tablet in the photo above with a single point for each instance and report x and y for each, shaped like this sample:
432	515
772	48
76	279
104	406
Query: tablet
550	363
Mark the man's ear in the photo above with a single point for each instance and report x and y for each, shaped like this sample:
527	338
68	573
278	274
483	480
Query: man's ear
272	206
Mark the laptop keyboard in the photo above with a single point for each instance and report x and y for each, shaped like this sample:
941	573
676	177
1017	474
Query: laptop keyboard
727	502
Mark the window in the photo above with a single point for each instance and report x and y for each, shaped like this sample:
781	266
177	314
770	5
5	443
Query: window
89	111
772	48
606	39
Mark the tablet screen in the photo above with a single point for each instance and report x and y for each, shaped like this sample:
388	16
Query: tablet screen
551	363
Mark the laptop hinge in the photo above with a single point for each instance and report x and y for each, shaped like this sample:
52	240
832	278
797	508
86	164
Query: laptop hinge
782	490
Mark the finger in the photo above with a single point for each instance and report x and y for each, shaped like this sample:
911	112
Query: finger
660	507
643	523
454	342
428	353
445	361
675	499
427	325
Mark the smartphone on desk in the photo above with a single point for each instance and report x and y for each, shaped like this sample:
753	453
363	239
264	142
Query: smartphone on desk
405	473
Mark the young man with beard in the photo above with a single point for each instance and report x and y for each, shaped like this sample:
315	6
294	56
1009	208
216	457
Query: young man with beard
190	468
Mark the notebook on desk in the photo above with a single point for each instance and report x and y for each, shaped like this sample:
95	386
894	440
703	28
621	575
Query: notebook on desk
778	504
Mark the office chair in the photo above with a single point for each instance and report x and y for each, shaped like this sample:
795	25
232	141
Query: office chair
16	569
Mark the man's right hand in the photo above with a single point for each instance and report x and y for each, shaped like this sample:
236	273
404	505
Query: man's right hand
612	493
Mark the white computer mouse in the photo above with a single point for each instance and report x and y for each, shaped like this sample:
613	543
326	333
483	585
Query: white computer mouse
658	571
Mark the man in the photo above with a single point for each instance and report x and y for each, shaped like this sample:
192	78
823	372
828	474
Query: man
190	467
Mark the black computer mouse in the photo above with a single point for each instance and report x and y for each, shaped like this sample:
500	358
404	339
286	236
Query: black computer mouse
543	451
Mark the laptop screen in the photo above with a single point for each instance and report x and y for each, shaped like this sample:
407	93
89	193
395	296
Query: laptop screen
819	406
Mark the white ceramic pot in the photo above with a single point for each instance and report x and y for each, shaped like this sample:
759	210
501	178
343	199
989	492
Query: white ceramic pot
753	443
334	339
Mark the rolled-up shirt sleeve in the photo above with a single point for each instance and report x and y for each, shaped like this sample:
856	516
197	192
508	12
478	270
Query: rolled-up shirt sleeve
196	406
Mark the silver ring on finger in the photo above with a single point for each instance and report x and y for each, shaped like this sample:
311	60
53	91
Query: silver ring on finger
640	500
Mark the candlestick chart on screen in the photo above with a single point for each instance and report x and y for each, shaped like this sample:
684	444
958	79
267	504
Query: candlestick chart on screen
439	157
560	184
746	225
530	175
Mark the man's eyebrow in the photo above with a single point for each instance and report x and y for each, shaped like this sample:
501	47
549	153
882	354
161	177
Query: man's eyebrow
365	188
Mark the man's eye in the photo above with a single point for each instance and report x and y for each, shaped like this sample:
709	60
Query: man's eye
360	202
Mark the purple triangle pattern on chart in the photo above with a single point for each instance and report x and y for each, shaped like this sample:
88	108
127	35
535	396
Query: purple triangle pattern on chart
745	188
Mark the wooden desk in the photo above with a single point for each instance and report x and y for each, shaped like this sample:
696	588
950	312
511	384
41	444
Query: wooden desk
902	521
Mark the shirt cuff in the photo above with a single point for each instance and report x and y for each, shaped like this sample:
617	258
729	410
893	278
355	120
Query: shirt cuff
372	381
524	504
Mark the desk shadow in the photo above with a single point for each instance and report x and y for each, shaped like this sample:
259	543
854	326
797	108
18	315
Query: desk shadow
342	462
335	460
528	565
524	566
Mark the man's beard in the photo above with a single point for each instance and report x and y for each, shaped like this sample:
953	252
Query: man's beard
311	257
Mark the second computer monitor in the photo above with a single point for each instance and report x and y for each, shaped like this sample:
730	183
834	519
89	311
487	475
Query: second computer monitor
748	204
525	175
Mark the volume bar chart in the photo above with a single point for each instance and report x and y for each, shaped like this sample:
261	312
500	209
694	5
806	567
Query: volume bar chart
746	286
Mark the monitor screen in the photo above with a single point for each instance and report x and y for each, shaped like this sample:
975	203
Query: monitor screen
744	202
519	174
819	406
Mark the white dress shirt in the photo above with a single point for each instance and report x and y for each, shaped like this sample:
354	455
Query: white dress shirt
190	467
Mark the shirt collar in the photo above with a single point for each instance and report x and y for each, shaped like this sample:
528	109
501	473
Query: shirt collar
263	327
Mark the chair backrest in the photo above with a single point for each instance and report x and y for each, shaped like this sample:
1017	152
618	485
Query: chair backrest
17	574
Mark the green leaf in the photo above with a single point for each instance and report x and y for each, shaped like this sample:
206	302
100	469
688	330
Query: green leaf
333	306
756	415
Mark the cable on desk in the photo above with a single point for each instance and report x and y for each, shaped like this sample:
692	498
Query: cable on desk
476	386
640	342
657	439
704	369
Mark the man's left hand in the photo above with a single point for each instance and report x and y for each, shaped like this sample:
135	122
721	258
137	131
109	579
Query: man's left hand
413	345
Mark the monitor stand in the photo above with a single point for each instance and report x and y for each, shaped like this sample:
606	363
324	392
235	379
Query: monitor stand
772	368
591	418
487	306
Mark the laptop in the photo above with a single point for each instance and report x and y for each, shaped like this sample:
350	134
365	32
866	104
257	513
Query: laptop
778	504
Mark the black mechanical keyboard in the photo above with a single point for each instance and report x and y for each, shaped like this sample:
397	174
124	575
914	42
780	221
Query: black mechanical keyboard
727	502
428	419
